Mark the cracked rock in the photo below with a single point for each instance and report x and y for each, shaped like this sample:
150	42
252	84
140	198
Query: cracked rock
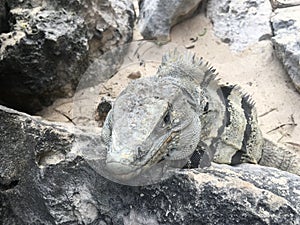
48	45
158	16
41	58
286	26
44	181
109	22
240	23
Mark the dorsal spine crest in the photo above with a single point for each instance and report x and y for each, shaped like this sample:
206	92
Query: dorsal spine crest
187	67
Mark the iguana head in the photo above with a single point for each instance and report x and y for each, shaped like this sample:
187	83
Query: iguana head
152	120
157	119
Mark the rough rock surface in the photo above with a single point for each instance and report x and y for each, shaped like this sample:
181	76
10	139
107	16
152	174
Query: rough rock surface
240	23
48	45
158	16
42	58
43	181
286	26
109	22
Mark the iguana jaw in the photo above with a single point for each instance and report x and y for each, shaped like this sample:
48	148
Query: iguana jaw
121	166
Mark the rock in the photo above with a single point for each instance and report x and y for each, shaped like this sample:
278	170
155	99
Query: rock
134	75
43	180
286	26
110	22
240	23
42	58
158	16
50	44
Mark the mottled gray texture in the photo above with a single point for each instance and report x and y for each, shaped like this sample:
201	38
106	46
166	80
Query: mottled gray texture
109	22
240	23
44	181
286	26
158	16
50	44
42	58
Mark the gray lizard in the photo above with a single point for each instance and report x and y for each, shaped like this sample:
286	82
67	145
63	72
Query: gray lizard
183	115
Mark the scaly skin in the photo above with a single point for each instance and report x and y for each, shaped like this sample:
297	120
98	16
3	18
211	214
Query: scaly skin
170	116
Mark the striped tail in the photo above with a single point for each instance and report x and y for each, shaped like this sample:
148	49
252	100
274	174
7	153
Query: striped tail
280	157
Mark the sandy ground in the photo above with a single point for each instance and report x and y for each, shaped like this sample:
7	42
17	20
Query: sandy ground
256	70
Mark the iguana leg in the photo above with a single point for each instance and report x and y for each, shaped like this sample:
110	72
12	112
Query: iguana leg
279	157
198	159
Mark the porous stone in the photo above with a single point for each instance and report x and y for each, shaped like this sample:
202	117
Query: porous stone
43	180
158	16
42	57
109	22
240	23
50	44
286	26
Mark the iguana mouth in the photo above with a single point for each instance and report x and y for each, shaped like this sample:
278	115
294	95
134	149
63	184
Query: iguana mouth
127	171
133	168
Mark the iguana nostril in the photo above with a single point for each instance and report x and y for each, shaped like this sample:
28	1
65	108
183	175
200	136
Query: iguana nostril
167	118
139	151
206	107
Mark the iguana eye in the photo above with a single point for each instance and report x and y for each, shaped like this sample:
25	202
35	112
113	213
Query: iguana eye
167	117
139	152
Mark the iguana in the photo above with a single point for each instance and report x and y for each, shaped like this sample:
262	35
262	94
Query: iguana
182	114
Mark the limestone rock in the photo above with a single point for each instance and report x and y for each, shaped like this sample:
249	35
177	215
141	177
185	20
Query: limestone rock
48	45
109	22
240	23
44	181
158	16
42	57
286	26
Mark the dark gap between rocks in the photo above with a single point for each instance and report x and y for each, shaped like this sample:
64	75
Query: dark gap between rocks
102	110
4	18
11	185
